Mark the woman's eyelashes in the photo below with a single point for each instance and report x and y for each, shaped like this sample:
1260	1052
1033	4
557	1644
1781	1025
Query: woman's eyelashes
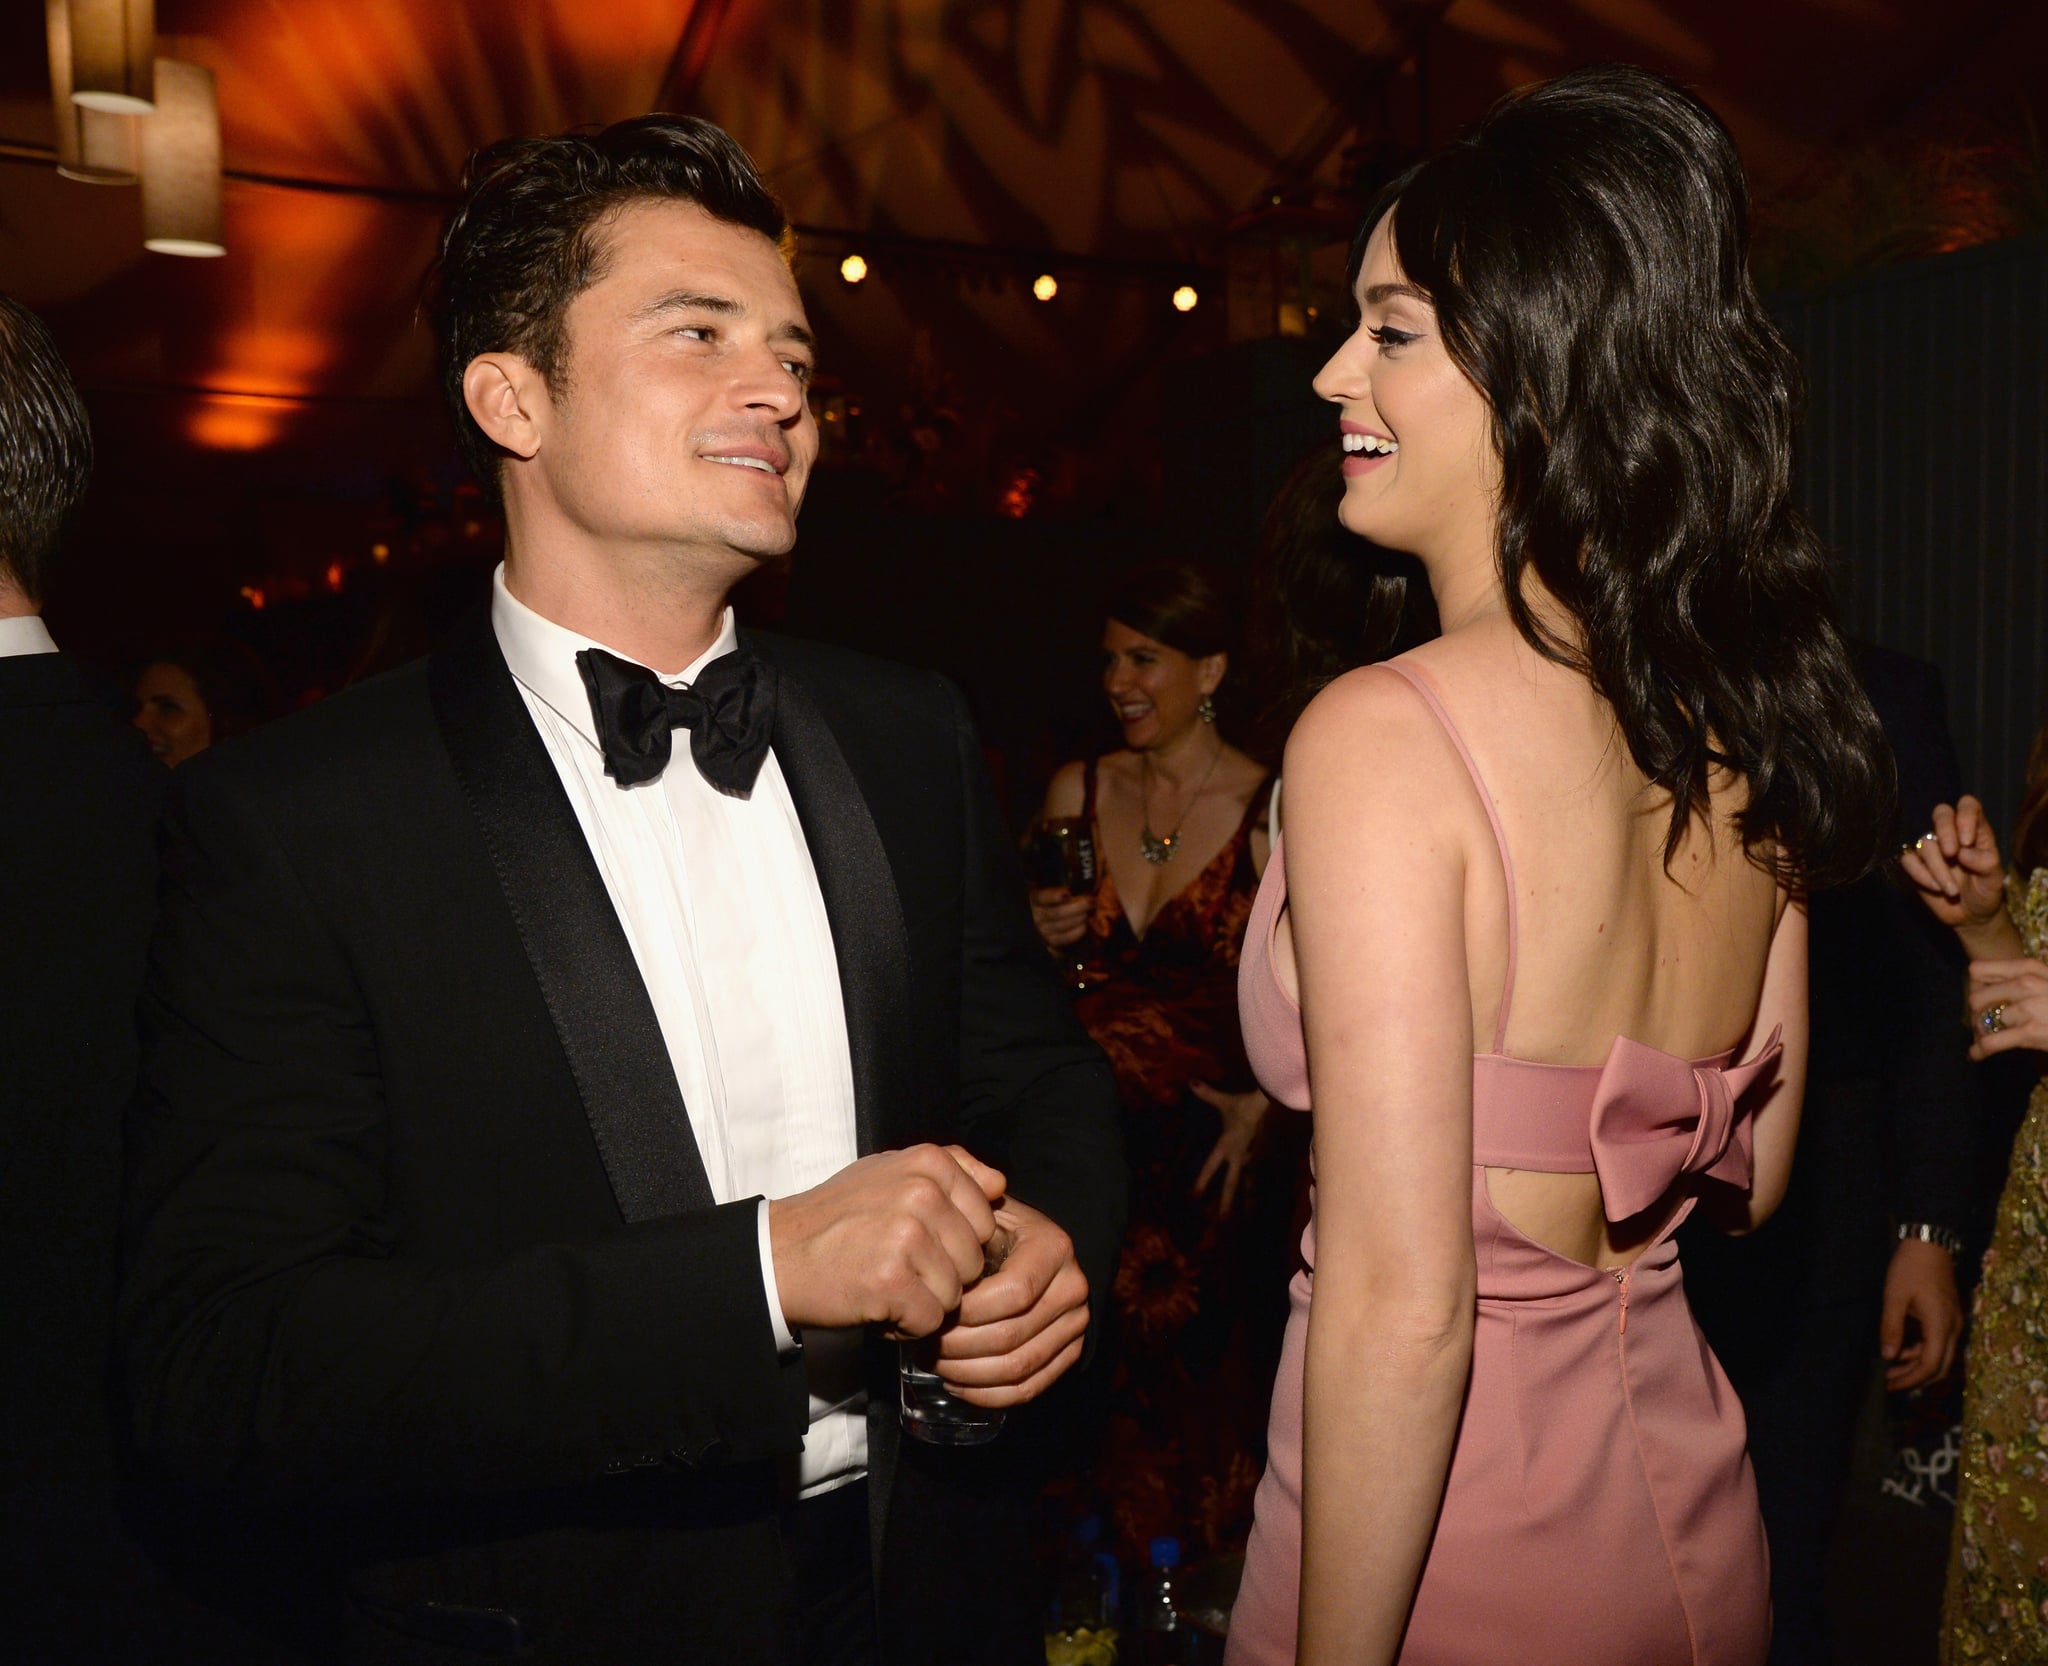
1387	337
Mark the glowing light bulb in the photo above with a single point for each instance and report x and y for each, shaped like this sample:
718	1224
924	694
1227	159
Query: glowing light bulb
853	268
1184	298
1045	286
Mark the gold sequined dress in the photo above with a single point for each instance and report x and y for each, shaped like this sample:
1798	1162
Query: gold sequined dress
1996	1608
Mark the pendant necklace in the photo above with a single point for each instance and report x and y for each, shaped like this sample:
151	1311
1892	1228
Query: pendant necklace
1155	849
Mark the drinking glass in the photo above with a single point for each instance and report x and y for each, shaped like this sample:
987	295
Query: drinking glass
1064	853
930	1410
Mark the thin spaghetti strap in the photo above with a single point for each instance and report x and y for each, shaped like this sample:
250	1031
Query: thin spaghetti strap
1416	681
1088	790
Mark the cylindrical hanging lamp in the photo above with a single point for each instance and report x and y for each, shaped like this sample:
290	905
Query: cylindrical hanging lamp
91	144
181	164
113	55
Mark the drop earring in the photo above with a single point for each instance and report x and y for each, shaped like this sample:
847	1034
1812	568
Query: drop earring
1206	711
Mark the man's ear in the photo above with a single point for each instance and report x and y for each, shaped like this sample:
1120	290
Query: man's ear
508	398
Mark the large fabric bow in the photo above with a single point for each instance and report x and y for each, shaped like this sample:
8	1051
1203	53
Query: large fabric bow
1656	1117
729	711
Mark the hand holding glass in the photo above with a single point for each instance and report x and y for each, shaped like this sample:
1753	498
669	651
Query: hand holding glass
931	1411
1064	854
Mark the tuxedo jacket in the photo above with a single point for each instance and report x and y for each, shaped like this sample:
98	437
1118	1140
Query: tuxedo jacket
424	1269
79	795
1888	1129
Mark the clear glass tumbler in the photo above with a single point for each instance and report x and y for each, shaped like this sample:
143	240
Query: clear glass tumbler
931	1411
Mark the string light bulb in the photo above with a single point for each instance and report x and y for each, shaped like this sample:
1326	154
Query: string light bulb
853	268
1184	298
1045	286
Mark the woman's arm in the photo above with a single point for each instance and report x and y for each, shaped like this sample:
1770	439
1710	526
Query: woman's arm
1380	817
1774	1124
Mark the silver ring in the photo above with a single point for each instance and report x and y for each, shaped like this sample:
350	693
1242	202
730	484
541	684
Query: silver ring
1992	1019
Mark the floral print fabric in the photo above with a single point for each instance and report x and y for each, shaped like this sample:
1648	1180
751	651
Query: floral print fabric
1199	1300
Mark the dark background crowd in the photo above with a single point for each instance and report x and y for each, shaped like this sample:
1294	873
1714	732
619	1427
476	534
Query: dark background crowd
1037	461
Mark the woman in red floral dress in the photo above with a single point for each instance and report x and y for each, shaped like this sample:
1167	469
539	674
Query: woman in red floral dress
1180	816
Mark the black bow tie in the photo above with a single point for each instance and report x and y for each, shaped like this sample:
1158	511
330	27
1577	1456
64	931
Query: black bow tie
729	711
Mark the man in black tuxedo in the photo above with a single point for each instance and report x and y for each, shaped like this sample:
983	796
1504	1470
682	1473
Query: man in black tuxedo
78	802
1859	1260
79	796
549	1119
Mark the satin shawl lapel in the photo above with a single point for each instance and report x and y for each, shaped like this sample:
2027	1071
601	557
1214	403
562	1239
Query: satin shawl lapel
872	947
571	932
862	903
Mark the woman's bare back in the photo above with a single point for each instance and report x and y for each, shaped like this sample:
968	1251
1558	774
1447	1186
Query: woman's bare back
1609	941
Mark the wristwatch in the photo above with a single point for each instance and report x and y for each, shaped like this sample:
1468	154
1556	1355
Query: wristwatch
1940	1237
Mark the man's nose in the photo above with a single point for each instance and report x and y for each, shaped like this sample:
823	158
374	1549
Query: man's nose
768	387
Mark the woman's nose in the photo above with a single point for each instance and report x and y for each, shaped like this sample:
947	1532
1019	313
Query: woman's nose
1348	374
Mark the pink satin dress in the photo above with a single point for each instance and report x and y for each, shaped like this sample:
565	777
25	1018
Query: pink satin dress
1600	1509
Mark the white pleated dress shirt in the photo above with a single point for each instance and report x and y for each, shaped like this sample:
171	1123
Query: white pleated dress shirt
720	902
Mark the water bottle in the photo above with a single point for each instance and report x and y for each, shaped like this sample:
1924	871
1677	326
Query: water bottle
1081	1630
1157	1635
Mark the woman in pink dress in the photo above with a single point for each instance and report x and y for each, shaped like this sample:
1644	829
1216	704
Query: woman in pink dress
1531	943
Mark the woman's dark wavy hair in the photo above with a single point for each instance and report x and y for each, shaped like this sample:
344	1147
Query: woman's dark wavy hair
526	239
1323	600
1585	250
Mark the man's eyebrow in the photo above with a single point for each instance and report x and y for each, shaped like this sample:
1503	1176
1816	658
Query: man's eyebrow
687	300
724	306
1388	291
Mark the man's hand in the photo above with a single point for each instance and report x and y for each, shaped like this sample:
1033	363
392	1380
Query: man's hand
1020	1327
890	1240
1920	1286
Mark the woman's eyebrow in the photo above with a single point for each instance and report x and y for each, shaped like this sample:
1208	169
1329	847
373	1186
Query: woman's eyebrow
1388	291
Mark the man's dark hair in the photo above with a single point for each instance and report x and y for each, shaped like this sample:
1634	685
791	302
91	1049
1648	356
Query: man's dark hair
527	239
45	447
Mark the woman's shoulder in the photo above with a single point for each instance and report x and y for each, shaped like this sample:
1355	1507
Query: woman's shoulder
1240	775
1371	730
1360	704
1068	789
